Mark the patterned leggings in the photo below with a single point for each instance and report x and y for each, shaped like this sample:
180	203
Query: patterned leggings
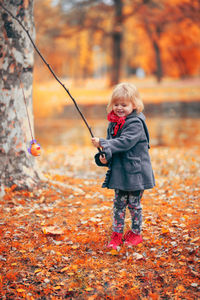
133	201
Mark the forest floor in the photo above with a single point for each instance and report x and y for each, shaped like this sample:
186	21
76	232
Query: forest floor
53	239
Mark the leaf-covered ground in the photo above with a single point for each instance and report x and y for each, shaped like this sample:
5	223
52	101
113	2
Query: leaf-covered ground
53	240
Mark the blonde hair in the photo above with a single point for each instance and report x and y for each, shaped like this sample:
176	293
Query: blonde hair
127	91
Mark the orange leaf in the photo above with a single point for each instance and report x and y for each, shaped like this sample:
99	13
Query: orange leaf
154	296
64	269
13	187
37	271
180	288
89	289
195	240
20	290
165	231
114	252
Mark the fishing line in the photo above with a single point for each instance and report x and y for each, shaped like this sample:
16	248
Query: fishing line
29	122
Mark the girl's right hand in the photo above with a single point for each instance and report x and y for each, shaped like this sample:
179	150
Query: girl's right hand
103	159
95	142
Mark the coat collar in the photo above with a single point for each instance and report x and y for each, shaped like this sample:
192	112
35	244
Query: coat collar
134	114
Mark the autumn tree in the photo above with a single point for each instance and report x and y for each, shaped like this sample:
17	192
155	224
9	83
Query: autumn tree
152	17
167	24
182	40
17	167
91	15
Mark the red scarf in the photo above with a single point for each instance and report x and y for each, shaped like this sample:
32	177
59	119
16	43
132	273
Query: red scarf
112	117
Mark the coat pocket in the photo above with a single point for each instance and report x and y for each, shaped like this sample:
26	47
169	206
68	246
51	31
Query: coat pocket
132	164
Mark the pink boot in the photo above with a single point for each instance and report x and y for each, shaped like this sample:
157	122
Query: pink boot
132	239
116	240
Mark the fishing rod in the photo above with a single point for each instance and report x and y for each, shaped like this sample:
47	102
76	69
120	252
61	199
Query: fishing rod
51	70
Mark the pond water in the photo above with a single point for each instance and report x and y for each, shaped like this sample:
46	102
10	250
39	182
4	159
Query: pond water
173	132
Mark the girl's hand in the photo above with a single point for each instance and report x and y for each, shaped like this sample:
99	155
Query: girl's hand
95	142
103	159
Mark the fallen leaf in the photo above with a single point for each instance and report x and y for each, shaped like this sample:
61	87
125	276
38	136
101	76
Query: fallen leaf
64	269
89	289
114	252
20	290
52	230
37	271
195	240
137	256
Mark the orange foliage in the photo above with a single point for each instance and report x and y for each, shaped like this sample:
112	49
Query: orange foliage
71	47
181	50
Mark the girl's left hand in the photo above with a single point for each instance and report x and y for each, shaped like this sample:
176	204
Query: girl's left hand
95	142
103	159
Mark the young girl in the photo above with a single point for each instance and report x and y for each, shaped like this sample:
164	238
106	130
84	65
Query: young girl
125	153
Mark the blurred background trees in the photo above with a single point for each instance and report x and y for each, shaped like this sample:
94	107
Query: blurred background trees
118	38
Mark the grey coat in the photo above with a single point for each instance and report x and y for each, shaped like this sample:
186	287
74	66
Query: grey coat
128	156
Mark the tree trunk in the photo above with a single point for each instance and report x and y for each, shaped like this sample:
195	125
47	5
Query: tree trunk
157	51
17	166
159	69
116	43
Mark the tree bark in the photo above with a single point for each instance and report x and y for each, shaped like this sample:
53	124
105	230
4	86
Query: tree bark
17	166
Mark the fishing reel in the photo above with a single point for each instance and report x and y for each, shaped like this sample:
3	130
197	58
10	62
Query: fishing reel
34	148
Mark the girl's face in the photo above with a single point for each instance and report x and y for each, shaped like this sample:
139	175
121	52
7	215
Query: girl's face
123	107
